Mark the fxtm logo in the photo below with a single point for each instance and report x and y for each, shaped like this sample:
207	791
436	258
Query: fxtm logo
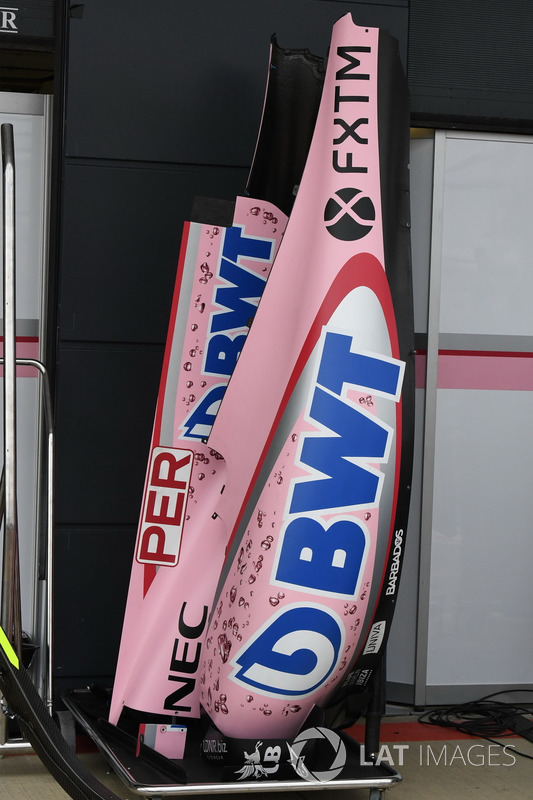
349	215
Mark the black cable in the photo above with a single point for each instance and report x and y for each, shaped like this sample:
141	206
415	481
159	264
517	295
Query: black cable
485	719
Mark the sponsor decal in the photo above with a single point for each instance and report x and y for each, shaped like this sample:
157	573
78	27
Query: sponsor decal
263	762
165	499
184	661
234	299
349	215
257	765
323	546
293	653
351	98
375	638
394	570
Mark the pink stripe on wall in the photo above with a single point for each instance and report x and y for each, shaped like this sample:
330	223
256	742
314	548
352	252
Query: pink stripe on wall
26	347
461	369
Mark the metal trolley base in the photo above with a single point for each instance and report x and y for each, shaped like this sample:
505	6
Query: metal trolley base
157	777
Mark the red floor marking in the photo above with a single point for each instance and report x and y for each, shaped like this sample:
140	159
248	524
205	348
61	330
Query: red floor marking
409	732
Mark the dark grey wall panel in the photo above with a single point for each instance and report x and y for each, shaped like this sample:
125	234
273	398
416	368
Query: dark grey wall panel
183	81
91	581
471	63
122	231
105	408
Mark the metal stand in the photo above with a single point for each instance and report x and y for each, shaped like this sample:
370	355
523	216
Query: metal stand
148	774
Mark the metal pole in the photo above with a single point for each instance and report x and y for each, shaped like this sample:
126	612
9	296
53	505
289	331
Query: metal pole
11	604
49	535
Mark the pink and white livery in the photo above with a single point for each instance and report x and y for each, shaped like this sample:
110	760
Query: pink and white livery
312	443
269	547
180	547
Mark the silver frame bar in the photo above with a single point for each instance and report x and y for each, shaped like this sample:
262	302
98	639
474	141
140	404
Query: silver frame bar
430	418
10	609
11	616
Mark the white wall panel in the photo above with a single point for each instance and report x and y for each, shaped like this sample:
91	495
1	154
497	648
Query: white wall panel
487	255
481	592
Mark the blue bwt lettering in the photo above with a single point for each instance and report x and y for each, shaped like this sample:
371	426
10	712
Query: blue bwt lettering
315	558
294	655
238	304
357	436
322	549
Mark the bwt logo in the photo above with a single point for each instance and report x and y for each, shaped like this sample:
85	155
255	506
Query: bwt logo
235	303
322	548
8	17
293	653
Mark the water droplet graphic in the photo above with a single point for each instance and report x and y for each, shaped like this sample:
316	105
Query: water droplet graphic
224	647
